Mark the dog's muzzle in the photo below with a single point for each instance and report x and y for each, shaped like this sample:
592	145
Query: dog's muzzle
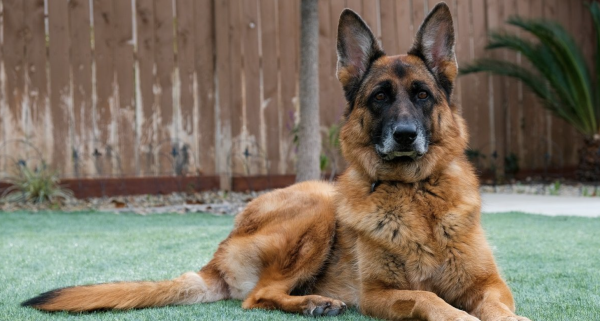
403	140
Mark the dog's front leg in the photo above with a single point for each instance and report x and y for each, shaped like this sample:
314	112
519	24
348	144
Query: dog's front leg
393	304
494	302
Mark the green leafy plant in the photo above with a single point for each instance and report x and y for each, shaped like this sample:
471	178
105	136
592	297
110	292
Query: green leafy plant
559	76
37	186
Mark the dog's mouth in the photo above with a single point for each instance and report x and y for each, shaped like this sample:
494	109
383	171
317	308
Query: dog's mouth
403	156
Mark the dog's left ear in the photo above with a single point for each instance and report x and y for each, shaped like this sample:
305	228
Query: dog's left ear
434	44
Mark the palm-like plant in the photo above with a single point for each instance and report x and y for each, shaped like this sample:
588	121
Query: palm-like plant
36	186
559	77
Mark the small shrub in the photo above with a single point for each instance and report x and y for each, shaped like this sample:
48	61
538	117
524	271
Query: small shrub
36	186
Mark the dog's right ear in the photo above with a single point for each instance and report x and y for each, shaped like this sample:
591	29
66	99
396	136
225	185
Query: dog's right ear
357	48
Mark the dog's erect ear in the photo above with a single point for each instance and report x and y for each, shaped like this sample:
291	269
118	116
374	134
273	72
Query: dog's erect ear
357	48
434	44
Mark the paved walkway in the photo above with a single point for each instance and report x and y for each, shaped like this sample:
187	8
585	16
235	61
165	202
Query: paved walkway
541	204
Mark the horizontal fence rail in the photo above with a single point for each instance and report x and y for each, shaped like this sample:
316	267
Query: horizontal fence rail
149	88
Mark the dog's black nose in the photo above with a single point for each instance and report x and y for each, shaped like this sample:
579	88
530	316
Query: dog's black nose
405	134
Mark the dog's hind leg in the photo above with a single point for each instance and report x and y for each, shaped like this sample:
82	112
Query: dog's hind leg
272	292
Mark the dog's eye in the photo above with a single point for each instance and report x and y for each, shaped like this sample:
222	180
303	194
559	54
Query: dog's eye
380	96
422	95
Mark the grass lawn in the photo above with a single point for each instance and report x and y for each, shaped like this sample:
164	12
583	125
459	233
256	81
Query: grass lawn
551	263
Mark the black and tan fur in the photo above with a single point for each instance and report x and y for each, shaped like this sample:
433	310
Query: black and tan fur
398	236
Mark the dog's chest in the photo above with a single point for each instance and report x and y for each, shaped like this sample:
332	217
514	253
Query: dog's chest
411	233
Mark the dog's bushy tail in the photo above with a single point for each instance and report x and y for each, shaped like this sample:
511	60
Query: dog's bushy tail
189	288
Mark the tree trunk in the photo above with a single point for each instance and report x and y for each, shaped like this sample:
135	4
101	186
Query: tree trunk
309	136
589	161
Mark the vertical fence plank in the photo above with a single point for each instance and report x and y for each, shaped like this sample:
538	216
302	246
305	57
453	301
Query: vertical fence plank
81	71
36	79
480	93
235	153
467	84
403	26
418	11
520	89
128	155
165	63
223	138
60	93
104	43
566	147
326	35
553	128
205	72
338	99
145	78
270	101
250	34
510	88
14	66
187	115
370	14
575	25
539	123
287	64
3	105
497	95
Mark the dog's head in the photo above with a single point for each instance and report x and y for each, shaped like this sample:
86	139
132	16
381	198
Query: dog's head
401	123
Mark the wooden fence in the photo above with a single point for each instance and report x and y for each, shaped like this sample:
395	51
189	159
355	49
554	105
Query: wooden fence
113	88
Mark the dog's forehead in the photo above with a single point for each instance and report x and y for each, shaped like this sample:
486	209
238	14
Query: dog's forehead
403	67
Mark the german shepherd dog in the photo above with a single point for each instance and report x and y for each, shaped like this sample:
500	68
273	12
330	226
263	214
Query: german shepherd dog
398	236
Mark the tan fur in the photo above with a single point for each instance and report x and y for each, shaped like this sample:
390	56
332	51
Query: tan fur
411	248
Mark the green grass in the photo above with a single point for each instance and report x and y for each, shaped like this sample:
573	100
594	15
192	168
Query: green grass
551	263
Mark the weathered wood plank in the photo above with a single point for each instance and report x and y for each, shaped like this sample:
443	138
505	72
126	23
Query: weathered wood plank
165	64
495	11
236	153
128	154
288	57
254	119
4	123
60	91
146	107
205	71
419	12
270	84
467	85
223	54
105	143
404	30
186	112
36	80
480	92
326	64
371	16
538	117
17	116
81	70
338	100
511	101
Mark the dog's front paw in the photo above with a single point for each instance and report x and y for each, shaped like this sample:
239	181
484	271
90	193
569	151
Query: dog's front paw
325	307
